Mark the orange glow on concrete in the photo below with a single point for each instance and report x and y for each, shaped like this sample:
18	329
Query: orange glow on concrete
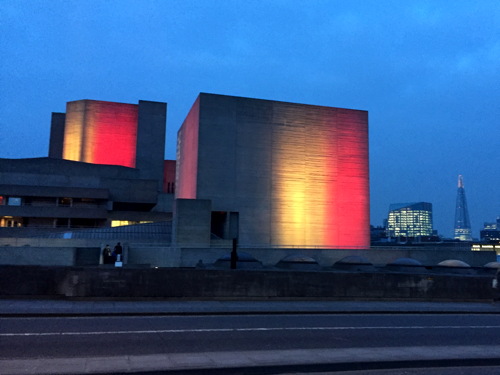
101	132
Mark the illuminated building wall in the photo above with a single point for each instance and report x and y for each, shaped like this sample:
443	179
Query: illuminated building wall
101	132
293	174
410	220
97	132
187	154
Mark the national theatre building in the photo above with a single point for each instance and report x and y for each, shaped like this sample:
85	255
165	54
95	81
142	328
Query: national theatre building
276	173
269	173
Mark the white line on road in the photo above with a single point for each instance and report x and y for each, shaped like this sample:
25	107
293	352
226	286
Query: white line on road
262	329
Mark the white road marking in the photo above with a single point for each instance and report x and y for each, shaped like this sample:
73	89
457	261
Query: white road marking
260	329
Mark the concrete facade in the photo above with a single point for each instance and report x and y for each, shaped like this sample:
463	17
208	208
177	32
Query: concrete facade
283	174
106	164
56	144
98	132
191	226
52	189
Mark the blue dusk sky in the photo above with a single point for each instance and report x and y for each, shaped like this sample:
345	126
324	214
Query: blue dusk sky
428	73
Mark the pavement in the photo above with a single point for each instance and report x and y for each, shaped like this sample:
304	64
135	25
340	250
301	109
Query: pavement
248	362
90	307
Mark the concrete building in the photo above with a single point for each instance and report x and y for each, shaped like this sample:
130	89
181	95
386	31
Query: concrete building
105	168
284	179
410	220
275	173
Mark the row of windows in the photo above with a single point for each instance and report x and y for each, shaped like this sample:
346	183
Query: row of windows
409	223
17	222
47	201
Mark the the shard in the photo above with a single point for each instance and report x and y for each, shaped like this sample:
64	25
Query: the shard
462	230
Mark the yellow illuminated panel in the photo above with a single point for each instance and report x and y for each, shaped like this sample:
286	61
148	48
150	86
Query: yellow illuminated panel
73	131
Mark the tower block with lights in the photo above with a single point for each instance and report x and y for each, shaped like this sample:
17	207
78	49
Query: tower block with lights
462	230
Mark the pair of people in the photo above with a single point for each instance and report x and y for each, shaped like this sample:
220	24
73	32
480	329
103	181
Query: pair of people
110	257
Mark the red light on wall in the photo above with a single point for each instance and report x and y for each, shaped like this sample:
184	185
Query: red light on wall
187	155
348	211
101	132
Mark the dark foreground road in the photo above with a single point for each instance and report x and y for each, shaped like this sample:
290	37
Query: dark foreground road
138	335
283	342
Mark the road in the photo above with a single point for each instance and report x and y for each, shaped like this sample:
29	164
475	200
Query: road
113	336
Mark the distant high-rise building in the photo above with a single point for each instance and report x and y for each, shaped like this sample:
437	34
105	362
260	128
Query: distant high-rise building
463	230
491	231
410	219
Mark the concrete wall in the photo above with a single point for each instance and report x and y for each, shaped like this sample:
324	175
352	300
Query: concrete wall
56	141
199	283
40	251
152	255
191	225
150	147
61	256
327	257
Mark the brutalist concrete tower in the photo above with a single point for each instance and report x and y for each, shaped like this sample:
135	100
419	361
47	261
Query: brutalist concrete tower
281	174
463	230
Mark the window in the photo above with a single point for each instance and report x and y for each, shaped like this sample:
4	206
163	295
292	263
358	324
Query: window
14	201
120	223
65	202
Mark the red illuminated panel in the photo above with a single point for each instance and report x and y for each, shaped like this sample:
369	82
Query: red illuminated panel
320	177
187	155
101	132
347	213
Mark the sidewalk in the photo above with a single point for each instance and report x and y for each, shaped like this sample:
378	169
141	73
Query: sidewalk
43	307
263	362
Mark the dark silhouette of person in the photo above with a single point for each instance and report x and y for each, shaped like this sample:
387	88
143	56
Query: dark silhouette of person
118	251
107	256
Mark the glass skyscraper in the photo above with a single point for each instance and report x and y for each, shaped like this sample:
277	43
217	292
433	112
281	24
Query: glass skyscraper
463	229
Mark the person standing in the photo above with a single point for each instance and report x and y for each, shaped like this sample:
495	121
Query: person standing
118	251
107	256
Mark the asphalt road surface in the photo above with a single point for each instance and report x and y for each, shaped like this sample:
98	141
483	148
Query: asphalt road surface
68	337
